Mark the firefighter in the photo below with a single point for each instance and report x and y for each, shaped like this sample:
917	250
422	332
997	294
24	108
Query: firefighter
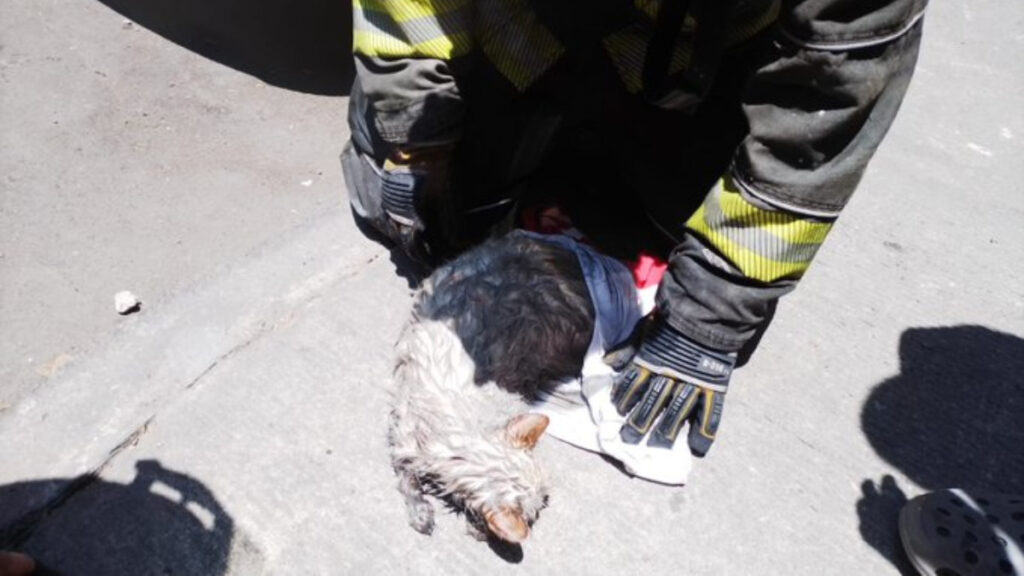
729	135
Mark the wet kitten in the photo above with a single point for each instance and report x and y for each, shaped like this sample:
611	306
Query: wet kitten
489	330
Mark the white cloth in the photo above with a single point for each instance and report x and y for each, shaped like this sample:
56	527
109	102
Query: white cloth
581	410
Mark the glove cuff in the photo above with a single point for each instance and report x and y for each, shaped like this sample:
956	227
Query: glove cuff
398	195
408	176
667	351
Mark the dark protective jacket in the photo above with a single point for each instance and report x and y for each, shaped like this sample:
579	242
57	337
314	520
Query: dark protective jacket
817	109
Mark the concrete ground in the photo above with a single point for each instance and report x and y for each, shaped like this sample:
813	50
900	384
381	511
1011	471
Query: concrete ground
235	425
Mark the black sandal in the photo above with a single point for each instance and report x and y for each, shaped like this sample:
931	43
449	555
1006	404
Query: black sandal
955	533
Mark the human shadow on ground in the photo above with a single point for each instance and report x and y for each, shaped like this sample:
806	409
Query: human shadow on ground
950	419
303	46
164	522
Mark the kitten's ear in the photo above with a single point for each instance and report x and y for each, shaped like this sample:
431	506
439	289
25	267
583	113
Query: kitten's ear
507	524
524	430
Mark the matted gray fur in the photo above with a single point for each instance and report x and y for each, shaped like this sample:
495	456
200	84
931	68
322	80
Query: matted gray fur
488	331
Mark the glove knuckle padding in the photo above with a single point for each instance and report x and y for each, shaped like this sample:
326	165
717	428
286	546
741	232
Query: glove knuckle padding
677	413
680	376
705	425
657	394
629	387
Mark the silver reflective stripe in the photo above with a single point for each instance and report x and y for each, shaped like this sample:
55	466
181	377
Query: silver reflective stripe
412	31
841	46
750	234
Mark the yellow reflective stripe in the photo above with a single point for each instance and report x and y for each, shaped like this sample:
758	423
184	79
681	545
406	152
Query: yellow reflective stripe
765	245
410	32
750	264
785	226
405	10
381	45
411	28
515	41
627	49
680	58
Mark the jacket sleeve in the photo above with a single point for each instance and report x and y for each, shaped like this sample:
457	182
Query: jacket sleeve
817	109
407	53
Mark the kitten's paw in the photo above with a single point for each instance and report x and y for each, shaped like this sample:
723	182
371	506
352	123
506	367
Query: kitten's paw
421	516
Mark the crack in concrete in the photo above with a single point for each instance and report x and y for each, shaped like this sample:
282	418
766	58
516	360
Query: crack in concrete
266	328
14	535
234	350
131	440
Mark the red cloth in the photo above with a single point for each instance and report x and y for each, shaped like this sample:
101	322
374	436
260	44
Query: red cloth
549	219
647	269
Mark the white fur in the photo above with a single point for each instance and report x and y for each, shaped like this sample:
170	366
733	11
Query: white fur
447	432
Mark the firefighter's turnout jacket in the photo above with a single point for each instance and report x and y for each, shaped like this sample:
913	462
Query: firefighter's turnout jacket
816	106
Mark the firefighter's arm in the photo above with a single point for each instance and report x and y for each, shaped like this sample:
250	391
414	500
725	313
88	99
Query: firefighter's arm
817	109
408	55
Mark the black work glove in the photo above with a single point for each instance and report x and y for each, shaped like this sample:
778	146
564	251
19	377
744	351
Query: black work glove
670	381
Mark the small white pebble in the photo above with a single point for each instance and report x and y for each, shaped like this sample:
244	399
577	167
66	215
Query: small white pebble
307	183
1006	133
125	302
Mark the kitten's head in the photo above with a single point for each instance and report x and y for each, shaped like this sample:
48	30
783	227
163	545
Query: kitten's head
503	486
